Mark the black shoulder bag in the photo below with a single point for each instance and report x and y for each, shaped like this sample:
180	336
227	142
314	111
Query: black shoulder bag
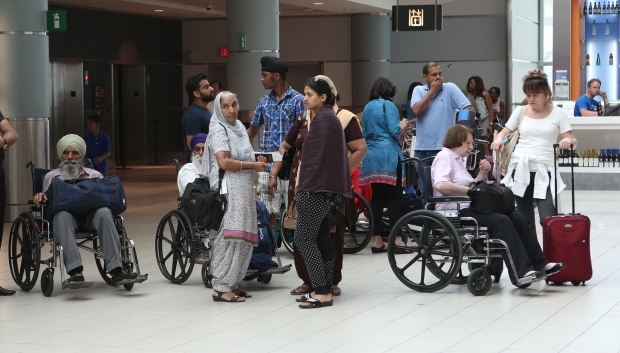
287	158
490	198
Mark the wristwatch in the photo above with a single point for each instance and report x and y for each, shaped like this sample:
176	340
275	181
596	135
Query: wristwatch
6	144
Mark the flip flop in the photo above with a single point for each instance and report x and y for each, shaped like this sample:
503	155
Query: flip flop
313	303
335	290
375	250
218	298
304	298
303	289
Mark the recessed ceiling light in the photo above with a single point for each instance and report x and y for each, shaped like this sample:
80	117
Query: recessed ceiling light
159	10
318	3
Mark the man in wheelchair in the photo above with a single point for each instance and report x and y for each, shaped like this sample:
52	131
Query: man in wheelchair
71	150
190	171
450	178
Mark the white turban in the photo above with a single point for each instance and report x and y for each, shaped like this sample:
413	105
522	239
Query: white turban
74	141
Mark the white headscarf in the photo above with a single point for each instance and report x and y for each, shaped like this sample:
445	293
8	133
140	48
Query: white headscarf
240	146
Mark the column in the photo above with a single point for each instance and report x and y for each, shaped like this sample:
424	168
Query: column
24	94
257	23
370	53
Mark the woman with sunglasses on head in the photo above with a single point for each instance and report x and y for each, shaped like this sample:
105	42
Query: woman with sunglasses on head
322	184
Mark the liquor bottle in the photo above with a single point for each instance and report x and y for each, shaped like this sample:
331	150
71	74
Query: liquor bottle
592	156
609	156
616	10
589	8
587	59
588	160
601	159
594	31
575	159
614	158
598	59
598	8
607	29
611	59
582	155
604	12
599	109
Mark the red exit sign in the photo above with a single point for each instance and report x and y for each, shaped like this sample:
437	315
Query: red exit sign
223	52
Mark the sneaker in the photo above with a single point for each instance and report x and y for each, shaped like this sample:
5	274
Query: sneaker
202	253
78	277
119	277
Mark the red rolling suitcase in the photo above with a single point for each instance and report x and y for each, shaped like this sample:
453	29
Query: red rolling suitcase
566	238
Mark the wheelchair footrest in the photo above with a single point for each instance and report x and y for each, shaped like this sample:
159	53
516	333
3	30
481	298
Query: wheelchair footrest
138	279
277	270
76	285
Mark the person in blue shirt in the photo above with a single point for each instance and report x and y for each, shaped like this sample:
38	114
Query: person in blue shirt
197	117
586	105
434	106
98	144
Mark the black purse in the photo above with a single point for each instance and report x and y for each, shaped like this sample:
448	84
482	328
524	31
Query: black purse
491	198
287	158
204	206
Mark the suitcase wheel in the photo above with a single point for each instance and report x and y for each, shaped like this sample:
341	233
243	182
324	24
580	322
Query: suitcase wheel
576	283
557	283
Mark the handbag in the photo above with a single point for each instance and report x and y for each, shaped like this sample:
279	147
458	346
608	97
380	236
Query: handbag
204	206
491	198
81	196
287	158
290	218
510	142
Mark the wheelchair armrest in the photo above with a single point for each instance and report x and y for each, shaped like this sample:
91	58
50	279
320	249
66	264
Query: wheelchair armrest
449	199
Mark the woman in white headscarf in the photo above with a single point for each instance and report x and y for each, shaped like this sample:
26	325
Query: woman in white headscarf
230	149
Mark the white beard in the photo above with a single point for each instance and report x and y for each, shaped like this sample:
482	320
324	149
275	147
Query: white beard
197	161
70	169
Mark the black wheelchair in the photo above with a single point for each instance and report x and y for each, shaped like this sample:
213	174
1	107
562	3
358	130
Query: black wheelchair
442	248
176	243
358	232
31	231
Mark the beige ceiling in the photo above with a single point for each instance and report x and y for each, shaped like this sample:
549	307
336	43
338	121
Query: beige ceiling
197	9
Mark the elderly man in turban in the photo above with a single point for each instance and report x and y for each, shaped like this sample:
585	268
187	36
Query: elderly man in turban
71	151
189	173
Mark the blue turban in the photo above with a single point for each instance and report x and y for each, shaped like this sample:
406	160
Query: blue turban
200	138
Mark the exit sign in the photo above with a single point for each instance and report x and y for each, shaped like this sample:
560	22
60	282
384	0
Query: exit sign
223	52
56	21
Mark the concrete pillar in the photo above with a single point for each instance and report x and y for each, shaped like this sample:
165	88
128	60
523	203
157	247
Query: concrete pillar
258	23
370	53
24	94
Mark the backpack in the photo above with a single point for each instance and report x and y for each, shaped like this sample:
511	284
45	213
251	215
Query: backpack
265	250
204	206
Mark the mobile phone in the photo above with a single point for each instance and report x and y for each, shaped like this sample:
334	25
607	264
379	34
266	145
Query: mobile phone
268	156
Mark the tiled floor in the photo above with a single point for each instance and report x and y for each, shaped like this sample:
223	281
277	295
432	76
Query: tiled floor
375	313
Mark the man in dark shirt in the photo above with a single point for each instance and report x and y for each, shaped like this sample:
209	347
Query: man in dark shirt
197	117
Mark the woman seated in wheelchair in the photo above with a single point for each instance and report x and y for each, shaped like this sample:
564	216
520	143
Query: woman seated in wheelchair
71	150
450	178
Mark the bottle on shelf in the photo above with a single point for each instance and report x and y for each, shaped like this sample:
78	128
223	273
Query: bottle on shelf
601	158
598	59
616	8
589	8
611	59
587	59
585	8
609	158
594	30
604	9
607	29
614	158
575	159
587	160
582	155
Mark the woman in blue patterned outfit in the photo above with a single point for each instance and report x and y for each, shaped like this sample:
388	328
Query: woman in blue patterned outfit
381	167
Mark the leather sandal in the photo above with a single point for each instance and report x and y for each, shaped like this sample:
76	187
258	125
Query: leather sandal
219	298
313	303
303	289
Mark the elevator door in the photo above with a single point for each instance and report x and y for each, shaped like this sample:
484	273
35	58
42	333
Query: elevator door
132	115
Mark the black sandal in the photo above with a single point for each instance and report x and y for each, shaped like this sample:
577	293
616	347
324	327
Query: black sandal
315	303
219	298
304	298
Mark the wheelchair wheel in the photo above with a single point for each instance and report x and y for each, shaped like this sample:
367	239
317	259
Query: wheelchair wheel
47	282
207	278
264	278
174	247
479	282
100	262
359	233
287	234
24	251
431	241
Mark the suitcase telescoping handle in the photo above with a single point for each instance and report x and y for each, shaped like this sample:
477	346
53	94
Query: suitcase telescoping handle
572	176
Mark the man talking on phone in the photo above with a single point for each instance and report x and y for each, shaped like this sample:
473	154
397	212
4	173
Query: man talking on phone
434	106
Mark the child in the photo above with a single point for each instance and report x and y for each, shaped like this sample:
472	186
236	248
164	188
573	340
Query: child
98	146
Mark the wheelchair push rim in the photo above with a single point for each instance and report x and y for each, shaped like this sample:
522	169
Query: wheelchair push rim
432	255
174	247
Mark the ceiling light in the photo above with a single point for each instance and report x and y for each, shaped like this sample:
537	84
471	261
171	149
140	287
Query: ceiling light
318	3
308	9
159	10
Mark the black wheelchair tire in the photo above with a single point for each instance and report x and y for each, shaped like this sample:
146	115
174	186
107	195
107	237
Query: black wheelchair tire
100	262
182	247
426	234
207	278
47	282
24	265
479	282
352	232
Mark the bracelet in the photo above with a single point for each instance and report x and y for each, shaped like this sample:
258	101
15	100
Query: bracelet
272	176
241	165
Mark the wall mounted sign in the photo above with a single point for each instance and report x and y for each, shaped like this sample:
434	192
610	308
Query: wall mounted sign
416	18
